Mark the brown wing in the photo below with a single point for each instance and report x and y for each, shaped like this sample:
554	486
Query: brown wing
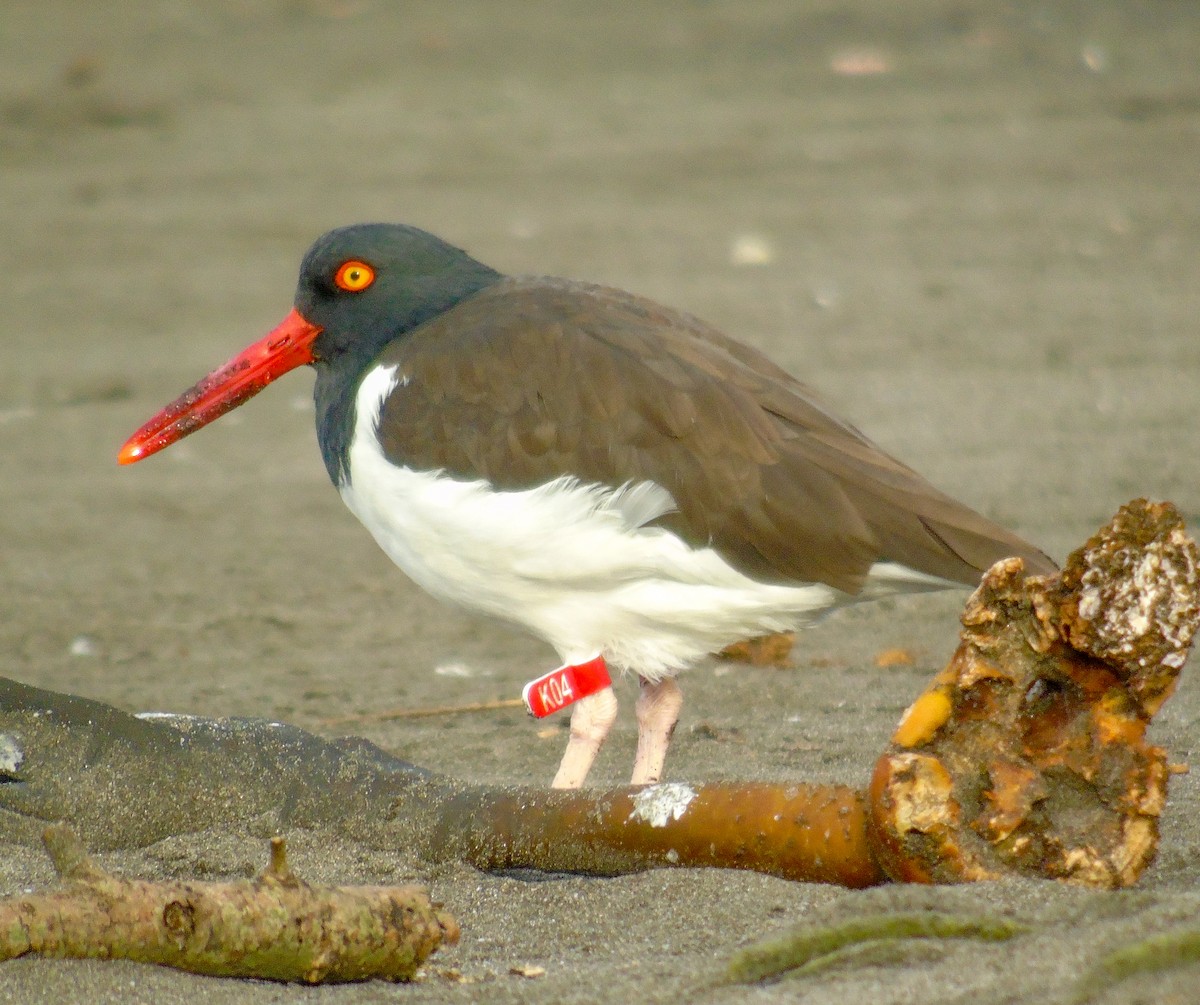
531	379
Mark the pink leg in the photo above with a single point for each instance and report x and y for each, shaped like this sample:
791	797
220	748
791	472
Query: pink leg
658	707
591	719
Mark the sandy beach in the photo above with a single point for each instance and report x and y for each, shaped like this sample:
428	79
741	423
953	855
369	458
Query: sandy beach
973	227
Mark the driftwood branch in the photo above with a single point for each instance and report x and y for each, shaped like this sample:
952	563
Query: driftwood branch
1027	754
275	927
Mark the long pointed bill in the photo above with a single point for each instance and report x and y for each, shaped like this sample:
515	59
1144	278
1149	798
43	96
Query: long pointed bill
285	348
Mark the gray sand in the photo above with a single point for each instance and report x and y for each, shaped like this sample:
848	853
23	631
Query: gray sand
985	255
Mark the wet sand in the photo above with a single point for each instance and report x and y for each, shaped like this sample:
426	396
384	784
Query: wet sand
973	228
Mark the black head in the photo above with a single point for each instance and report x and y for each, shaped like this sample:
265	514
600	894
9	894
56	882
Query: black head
366	284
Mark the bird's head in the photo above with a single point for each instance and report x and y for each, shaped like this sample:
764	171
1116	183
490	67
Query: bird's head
360	288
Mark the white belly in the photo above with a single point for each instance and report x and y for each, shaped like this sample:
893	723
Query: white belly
575	564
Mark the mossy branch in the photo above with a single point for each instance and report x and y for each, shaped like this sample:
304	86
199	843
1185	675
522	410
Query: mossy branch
811	948
274	927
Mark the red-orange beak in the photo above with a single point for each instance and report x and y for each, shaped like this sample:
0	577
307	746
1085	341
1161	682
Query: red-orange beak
285	348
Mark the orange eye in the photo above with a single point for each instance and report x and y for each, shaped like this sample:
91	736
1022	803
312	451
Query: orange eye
354	276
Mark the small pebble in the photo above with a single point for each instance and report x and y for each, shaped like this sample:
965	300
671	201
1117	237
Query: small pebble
861	63
751	249
84	645
1094	57
11	755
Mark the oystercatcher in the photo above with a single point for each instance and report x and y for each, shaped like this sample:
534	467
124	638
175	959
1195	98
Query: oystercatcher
620	478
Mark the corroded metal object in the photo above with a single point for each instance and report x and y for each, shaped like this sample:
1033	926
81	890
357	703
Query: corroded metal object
1028	753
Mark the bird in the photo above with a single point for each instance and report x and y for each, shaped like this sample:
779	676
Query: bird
622	479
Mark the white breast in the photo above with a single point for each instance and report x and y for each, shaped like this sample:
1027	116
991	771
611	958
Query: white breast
574	563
